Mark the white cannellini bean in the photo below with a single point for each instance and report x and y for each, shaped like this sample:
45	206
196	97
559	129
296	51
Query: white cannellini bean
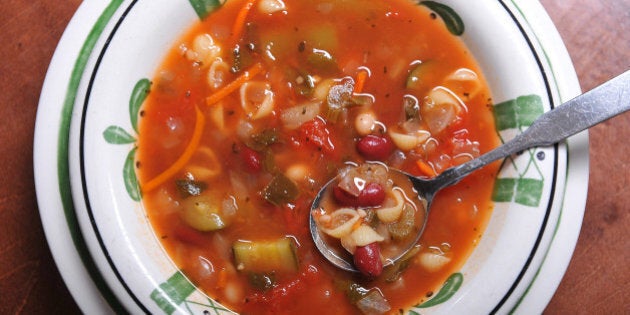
432	262
364	123
271	6
297	172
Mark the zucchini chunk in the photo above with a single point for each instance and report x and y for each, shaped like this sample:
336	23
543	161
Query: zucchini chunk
265	256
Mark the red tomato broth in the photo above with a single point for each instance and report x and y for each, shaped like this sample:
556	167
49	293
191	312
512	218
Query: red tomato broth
168	119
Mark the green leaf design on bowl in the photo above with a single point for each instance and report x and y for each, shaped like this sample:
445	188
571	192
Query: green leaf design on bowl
138	95
129	176
118	135
204	7
178	291
519	113
453	21
449	288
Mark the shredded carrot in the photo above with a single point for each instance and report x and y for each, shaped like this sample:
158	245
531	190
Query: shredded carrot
361	77
234	85
239	22
425	168
183	159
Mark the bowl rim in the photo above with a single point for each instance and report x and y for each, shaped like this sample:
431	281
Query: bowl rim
70	254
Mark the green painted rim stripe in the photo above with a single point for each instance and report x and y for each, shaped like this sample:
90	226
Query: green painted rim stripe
553	237
63	172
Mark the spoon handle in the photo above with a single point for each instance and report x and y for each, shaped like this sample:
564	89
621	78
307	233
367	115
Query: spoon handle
601	103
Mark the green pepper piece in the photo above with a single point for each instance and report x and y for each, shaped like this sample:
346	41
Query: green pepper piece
280	190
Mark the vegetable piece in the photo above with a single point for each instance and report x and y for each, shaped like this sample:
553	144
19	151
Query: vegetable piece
183	159
316	134
262	281
361	78
264	139
322	61
374	147
373	303
189	187
296	116
422	75
411	107
203	214
393	272
265	256
367	259
405	225
252	160
280	190
239	21
440	109
338	99
234	85
426	168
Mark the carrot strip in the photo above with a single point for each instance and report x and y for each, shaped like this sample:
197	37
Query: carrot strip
183	159
234	85
361	78
239	22
425	168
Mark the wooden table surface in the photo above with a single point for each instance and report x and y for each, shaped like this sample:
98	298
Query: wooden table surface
596	33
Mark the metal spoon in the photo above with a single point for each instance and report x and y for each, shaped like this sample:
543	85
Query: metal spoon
601	103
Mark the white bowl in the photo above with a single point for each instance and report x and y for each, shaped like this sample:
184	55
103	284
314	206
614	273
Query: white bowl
116	262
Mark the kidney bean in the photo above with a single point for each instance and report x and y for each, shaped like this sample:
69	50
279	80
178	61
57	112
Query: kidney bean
371	196
374	147
367	259
252	160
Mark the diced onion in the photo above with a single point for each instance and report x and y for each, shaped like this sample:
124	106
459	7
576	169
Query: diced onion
440	109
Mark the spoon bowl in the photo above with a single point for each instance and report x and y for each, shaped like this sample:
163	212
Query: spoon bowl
601	103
